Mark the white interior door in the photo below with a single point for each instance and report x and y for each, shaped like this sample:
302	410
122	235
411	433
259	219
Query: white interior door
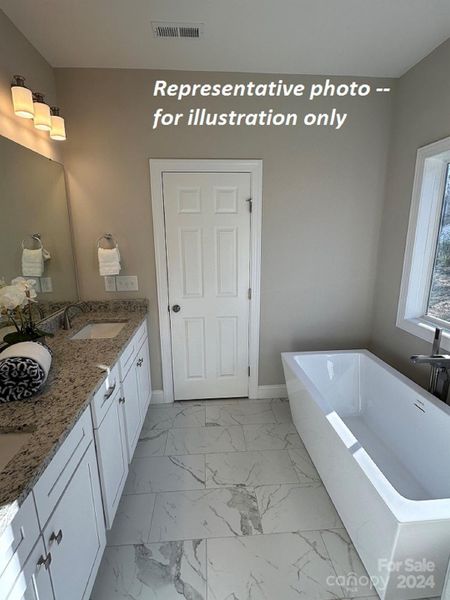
207	218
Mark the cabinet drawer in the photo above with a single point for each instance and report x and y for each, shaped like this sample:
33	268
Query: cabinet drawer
105	396
129	354
56	476
17	542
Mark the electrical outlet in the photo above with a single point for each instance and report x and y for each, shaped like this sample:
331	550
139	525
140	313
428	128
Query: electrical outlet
110	283
46	285
127	283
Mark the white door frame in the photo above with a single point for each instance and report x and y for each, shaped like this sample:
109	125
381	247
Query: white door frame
157	168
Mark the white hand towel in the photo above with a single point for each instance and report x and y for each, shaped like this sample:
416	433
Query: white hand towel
32	262
32	350
109	261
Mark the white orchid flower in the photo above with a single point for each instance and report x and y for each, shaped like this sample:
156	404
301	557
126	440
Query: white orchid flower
26	285
12	297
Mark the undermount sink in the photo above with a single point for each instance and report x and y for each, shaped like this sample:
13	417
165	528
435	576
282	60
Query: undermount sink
10	445
98	331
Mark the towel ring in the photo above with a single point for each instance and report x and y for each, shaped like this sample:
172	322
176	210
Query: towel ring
37	238
109	237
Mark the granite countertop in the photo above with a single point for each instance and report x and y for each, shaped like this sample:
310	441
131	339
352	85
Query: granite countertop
49	416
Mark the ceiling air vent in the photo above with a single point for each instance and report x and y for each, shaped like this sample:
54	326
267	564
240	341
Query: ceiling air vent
191	31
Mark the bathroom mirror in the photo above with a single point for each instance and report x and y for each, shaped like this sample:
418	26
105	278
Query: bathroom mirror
33	200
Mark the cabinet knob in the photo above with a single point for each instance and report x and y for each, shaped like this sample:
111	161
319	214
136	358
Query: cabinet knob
122	400
176	308
45	560
140	362
57	537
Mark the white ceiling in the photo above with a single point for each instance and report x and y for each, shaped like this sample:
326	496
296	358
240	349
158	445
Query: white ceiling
335	37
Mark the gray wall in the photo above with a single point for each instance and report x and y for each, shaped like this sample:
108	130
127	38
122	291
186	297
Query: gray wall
421	116
18	56
323	194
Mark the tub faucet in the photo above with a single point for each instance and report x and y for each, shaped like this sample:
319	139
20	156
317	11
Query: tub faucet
439	382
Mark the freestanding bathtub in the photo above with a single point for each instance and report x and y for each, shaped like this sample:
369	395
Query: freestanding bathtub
382	447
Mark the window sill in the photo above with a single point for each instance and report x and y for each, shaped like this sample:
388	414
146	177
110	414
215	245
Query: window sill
424	329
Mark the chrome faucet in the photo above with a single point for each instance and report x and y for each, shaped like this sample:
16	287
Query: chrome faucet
67	324
439	381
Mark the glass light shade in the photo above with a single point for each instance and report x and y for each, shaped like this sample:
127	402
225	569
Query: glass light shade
58	130
42	119
22	101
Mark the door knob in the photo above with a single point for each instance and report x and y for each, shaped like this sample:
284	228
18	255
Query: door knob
176	308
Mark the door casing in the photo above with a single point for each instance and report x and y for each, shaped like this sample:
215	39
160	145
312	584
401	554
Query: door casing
157	168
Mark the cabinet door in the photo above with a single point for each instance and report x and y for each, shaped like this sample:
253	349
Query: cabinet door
131	410
33	583
143	375
75	533
112	458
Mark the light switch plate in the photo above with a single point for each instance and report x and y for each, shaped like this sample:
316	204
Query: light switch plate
110	283
127	283
46	285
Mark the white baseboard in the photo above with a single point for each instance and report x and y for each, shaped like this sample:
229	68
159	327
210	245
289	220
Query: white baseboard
158	397
271	391
264	392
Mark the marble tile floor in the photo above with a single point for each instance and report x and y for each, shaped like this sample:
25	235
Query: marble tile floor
223	502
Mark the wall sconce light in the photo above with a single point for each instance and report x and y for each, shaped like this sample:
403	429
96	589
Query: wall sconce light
42	118
58	130
31	105
22	98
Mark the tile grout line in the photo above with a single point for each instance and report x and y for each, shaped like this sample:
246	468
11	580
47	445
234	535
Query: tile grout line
206	569
151	520
329	557
227	486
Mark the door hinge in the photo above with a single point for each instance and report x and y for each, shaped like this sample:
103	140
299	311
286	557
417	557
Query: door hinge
249	371
250	204
249	293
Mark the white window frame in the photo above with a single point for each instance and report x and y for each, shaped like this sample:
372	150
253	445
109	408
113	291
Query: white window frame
421	242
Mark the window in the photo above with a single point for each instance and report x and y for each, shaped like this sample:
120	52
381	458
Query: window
424	301
439	299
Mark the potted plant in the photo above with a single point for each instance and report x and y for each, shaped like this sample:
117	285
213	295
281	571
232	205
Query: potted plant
16	302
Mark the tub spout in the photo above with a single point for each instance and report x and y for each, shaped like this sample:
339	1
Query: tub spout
440	365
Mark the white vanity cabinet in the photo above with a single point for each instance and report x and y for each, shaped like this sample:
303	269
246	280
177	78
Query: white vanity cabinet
53	547
23	559
33	582
70	512
74	535
111	444
136	386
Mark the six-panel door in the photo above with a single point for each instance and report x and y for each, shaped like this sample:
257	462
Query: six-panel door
207	220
